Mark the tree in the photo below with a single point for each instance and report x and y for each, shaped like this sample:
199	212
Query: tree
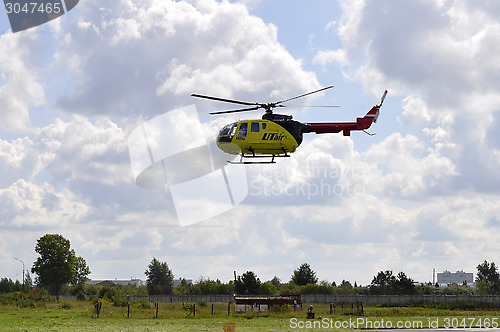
404	285
276	282
267	288
28	282
383	283
345	288
289	288
488	277
304	275
386	283
6	285
81	272
160	278
55	266
247	284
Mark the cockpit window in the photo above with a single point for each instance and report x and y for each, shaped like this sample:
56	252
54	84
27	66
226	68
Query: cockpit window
230	129
242	132
255	127
233	129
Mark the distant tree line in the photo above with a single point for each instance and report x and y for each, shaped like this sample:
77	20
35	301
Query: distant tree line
59	270
304	281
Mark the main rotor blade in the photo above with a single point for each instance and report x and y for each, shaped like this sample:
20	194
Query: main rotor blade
305	94
235	111
224	100
297	106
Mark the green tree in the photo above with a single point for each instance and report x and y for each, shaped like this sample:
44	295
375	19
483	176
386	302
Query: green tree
345	288
81	271
383	283
7	285
304	275
386	283
289	288
267	288
159	279
247	284
404	285
488	277
55	266
276	282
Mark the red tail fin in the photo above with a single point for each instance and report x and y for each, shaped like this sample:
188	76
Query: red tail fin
346	127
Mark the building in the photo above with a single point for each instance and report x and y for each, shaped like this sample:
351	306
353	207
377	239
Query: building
178	282
116	282
459	278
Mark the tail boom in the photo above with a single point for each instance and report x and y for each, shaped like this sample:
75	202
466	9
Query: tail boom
346	127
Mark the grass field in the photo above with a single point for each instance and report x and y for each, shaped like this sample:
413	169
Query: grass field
81	316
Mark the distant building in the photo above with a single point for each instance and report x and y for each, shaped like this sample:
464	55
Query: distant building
116	282
177	282
459	278
132	281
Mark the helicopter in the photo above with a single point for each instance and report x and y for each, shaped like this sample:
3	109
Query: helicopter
277	135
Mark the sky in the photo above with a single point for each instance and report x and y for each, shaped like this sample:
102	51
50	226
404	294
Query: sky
421	194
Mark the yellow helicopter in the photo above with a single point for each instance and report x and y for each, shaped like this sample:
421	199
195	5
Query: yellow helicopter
277	135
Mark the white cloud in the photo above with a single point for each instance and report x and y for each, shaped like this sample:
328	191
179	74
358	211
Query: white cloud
141	58
81	150
331	57
20	87
28	205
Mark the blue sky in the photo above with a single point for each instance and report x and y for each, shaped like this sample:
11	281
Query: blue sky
420	194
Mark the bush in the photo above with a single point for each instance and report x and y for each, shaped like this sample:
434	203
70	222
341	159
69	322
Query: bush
280	308
188	306
81	296
65	305
143	304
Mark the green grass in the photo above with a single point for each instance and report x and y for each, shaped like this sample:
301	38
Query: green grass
80	316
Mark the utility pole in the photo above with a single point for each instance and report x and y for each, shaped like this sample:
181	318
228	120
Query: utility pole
23	268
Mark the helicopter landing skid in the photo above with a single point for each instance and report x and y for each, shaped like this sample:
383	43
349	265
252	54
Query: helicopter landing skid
258	156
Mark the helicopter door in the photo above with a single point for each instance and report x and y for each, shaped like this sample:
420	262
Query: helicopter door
255	131
242	132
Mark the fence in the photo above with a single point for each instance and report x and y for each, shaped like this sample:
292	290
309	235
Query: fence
398	299
218	298
328	298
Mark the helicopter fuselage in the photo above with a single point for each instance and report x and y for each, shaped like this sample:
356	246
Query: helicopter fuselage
275	134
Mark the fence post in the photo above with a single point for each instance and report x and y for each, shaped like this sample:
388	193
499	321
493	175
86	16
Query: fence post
194	309
228	308
98	306
128	309
157	305
212	308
